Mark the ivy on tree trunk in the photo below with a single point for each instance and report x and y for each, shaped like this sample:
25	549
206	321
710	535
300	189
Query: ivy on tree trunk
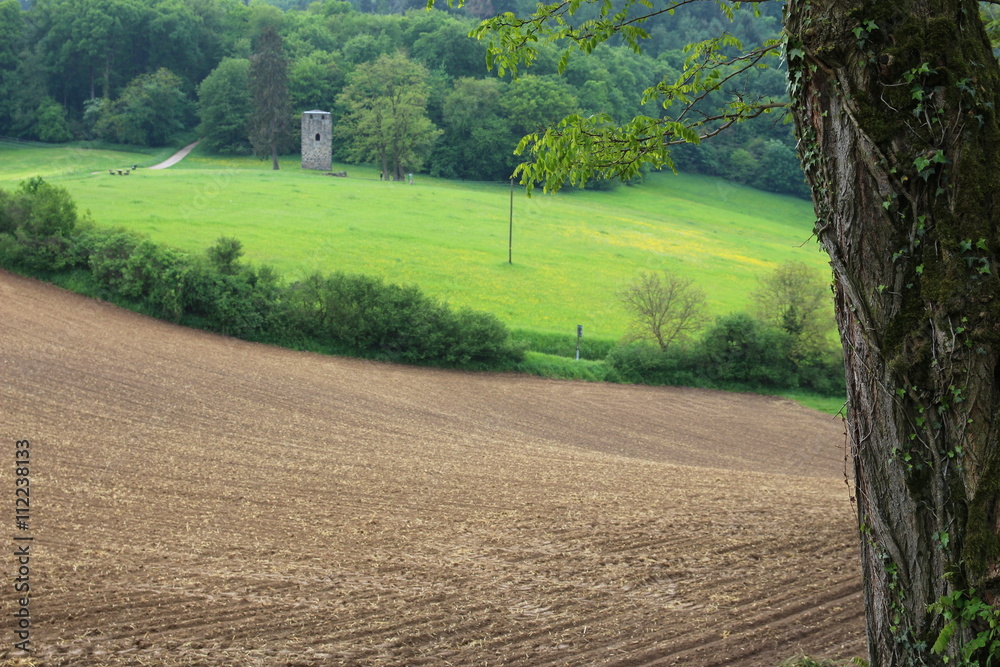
895	104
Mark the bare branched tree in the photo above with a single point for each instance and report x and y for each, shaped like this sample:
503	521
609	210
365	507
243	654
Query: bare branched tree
665	308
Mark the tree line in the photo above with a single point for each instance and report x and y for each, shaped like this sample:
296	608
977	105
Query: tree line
411	85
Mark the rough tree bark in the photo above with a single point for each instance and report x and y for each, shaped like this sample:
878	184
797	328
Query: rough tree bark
896	106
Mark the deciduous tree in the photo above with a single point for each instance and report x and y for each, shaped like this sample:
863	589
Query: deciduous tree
533	102
665	308
478	143
385	119
795	298
92	37
150	110
224	106
271	114
896	109
12	31
315	80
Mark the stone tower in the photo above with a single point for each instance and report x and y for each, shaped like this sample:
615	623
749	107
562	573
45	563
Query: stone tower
317	140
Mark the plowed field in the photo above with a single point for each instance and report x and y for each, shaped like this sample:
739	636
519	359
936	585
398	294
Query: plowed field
198	500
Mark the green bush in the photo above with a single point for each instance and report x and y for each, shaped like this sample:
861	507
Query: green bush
109	259
741	349
367	315
647	364
244	304
8	222
739	352
42	210
130	266
36	223
823	375
225	255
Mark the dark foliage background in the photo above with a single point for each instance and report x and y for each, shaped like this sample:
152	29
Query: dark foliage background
141	73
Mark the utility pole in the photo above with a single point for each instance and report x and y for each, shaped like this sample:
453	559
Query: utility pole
510	237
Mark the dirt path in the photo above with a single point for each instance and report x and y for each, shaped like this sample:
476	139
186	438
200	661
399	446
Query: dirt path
176	157
201	500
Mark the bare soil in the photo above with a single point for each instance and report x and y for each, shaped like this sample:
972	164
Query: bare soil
198	500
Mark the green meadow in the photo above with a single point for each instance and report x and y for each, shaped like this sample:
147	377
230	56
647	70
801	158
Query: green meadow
571	251
21	160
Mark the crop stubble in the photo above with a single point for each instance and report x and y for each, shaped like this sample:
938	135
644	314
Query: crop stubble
201	500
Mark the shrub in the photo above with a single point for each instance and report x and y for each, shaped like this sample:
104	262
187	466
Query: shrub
135	268
367	315
225	254
647	364
108	259
7	222
44	210
637	362
740	348
824	375
738	352
482	338
243	304
36	223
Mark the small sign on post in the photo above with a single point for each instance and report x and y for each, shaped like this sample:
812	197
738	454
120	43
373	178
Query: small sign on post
579	336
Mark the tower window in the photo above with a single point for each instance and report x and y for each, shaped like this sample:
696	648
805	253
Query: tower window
317	136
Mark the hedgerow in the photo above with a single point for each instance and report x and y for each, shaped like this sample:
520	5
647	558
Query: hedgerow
738	352
41	233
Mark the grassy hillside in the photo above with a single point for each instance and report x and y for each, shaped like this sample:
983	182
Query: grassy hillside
571	250
21	160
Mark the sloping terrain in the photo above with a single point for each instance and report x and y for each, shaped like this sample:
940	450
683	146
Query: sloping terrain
198	500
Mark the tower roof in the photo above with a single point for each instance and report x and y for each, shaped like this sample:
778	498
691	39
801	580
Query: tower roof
317	111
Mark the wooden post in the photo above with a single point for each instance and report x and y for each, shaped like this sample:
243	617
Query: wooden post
510	237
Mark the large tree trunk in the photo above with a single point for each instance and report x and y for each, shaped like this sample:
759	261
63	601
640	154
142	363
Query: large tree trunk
895	103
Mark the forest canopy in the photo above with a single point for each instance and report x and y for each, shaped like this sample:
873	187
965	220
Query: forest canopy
143	73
